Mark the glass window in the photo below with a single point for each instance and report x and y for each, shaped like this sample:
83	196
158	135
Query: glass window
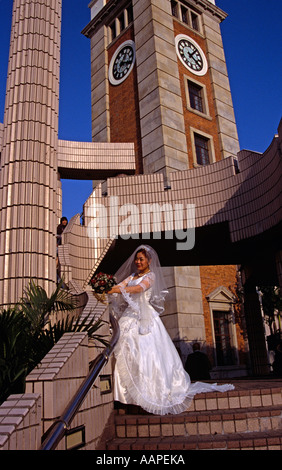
221	322
202	149
196	96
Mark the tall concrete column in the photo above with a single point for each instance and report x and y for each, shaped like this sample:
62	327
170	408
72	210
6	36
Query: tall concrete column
28	176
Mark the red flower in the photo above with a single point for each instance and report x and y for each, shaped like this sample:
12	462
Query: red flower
102	282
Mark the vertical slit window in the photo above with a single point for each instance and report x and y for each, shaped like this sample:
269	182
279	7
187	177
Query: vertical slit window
184	14
113	31
121	22
195	21
129	14
174	8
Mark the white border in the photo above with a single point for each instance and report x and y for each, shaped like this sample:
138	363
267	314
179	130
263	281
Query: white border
112	80
204	70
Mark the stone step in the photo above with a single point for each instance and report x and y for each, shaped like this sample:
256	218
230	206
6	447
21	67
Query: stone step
200	423
270	440
249	417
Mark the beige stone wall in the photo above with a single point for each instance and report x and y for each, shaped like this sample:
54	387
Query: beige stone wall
1	135
49	389
87	160
20	422
184	315
100	87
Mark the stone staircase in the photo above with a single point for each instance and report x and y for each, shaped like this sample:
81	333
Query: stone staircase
249	417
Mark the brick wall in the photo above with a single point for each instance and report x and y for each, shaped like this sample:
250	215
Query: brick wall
211	278
49	388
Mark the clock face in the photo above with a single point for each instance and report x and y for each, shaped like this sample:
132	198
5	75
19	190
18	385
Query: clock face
122	63
191	55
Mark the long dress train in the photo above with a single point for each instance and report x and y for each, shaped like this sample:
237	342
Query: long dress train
148	371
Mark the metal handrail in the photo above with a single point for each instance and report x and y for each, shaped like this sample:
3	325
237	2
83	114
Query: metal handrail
58	429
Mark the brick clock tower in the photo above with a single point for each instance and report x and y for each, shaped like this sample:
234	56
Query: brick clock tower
159	79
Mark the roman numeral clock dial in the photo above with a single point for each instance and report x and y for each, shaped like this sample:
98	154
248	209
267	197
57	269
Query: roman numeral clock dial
191	55
122	63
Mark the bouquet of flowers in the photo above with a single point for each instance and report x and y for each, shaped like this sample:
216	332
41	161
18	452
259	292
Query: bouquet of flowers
101	283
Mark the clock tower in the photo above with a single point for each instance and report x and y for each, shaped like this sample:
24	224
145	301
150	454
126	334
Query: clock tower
171	95
159	79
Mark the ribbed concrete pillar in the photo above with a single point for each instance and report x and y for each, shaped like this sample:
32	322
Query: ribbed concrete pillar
28	176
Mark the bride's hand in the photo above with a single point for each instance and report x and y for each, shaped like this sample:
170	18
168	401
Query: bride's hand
114	290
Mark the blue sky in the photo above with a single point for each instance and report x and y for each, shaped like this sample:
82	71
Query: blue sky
252	38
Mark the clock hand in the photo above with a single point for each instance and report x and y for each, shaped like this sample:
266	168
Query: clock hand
195	52
127	58
189	52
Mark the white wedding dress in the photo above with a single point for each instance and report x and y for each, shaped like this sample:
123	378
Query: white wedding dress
148	371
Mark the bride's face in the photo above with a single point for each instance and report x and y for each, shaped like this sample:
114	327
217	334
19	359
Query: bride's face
141	262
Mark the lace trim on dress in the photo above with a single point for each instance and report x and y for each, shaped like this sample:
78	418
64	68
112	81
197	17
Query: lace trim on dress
129	300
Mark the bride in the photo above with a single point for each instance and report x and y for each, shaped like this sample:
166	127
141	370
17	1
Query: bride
148	371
